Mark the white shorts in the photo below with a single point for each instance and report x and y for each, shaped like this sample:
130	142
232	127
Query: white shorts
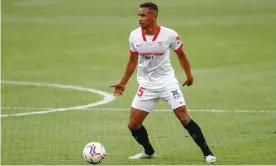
145	99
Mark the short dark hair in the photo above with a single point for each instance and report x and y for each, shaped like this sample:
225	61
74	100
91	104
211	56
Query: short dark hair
149	5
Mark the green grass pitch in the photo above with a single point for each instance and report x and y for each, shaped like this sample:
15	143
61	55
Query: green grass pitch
231	46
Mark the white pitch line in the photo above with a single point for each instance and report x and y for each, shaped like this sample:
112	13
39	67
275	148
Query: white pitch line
190	110
24	108
107	97
156	110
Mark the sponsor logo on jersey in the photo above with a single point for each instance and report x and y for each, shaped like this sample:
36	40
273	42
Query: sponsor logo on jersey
151	53
148	57
175	94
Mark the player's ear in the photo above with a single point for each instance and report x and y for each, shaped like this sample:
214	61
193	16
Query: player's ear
155	14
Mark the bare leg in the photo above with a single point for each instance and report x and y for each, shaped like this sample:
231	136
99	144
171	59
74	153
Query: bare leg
136	118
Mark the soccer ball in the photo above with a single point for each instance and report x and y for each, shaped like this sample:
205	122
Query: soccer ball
94	152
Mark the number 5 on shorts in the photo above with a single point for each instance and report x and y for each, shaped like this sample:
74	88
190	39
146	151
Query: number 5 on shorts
140	91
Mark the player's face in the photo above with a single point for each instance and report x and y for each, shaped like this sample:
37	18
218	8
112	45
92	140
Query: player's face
146	17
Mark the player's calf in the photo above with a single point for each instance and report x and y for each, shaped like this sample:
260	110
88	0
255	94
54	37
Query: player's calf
138	131
193	129
197	135
141	136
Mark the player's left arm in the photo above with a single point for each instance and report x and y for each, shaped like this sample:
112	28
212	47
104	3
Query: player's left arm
185	64
177	46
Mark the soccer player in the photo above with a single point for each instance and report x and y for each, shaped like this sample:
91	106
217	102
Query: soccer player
150	46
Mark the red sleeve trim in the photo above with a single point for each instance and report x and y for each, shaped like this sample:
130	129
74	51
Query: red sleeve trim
179	48
133	52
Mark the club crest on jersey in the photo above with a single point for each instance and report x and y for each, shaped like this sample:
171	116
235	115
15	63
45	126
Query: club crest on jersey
160	43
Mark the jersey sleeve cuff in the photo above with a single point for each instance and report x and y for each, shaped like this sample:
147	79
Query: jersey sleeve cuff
179	48
133	52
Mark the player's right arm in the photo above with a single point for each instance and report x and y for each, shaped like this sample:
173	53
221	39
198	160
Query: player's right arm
129	70
184	62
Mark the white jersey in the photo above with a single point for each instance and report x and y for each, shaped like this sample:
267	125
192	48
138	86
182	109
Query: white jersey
154	67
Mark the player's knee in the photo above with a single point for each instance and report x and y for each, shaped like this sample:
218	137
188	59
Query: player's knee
133	126
184	121
182	115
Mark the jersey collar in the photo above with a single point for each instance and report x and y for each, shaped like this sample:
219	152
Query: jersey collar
155	35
